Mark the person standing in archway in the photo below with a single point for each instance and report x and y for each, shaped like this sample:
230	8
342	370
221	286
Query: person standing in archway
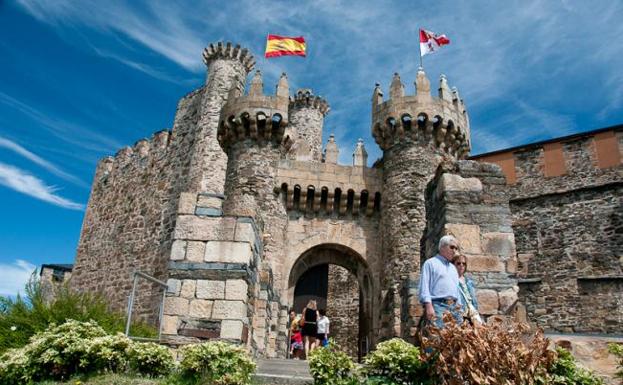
439	283
309	319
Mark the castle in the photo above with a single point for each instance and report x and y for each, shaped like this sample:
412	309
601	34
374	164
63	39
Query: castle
240	211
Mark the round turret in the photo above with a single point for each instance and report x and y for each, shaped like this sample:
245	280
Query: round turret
255	116
441	122
306	117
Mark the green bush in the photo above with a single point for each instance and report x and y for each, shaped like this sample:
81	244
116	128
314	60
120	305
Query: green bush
22	317
150	359
565	371
397	361
217	363
617	351
331	366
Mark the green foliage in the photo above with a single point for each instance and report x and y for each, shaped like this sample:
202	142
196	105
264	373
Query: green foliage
565	371
150	359
21	318
396	360
331	366
617	351
217	363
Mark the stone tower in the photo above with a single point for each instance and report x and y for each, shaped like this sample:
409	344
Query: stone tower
307	113
228	67
416	133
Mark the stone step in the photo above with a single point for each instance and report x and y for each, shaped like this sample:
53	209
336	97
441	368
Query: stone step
283	372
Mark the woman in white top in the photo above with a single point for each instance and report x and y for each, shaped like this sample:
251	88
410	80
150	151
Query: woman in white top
323	328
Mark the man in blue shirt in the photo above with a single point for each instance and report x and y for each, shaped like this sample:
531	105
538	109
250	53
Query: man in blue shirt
439	283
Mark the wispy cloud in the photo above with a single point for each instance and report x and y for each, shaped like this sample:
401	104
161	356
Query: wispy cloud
13	276
6	143
21	181
66	131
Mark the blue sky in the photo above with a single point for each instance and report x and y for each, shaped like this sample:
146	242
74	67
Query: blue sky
80	79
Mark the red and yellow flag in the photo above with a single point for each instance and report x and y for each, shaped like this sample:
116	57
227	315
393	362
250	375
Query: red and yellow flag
283	45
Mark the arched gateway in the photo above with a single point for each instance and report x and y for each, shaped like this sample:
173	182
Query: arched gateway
340	280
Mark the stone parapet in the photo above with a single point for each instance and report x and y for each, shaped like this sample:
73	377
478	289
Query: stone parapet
439	122
329	188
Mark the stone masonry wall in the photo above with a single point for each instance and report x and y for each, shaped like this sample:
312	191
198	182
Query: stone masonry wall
343	309
219	288
568	220
130	216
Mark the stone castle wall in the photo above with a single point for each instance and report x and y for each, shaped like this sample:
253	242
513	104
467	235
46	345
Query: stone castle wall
343	309
131	214
567	204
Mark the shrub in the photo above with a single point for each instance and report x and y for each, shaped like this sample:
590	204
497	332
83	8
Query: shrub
397	361
22	317
500	353
331	366
217	363
565	371
617	351
150	359
13	367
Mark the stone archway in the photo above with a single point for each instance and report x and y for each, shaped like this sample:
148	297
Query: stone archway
340	279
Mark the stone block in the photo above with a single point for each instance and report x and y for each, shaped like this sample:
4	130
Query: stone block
209	211
227	251
188	288
201	308
187	203
499	244
245	233
178	250
195	250
511	265
169	324
232	329
468	236
211	202
229	310
488	302
236	289
453	182
485	263
209	289
507	298
204	228
173	286
175	306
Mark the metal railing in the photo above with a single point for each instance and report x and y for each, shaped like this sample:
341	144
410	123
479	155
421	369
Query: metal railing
138	274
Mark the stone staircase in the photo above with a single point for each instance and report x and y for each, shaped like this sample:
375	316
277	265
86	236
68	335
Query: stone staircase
282	372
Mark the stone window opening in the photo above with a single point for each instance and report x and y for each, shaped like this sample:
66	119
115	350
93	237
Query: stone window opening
363	202
422	119
324	197
276	123
391	125
350	199
246	124
261	125
284	194
309	202
297	197
337	201
377	202
437	120
406	122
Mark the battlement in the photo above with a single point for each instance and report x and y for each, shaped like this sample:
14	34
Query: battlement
305	98
141	150
441	121
228	51
329	189
255	115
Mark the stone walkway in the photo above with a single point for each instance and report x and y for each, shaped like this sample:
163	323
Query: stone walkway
279	371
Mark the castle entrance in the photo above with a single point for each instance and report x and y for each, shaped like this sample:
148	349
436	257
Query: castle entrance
337	278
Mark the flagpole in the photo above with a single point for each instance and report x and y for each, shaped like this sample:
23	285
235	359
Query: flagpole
419	46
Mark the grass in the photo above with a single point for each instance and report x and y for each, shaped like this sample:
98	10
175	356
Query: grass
108	379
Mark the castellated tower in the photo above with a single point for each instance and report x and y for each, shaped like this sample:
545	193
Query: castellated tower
228	67
416	133
306	117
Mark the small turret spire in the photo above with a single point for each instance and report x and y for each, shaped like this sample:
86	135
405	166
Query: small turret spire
331	151
377	95
360	155
257	85
283	89
396	89
444	89
422	84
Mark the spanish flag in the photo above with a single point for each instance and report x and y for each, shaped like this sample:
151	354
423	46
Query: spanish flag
283	45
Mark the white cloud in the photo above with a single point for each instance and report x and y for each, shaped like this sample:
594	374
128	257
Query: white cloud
6	143
14	276
19	180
